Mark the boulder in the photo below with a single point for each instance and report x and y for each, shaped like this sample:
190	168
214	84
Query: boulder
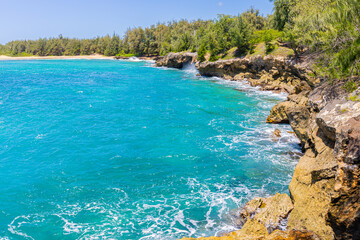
278	113
271	211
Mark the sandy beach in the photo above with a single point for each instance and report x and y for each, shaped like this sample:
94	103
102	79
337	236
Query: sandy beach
94	56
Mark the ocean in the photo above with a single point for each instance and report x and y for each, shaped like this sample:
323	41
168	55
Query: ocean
109	149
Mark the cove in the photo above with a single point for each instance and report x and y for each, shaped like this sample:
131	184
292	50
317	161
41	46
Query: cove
116	149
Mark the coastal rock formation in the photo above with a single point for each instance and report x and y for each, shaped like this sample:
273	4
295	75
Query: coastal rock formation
176	60
270	212
269	73
295	110
324	200
339	119
279	113
325	186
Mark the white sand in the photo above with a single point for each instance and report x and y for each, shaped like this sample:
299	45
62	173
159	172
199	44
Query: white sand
93	56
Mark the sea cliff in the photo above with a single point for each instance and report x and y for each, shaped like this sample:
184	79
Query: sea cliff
324	201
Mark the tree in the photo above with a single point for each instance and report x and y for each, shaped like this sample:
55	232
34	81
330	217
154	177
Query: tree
240	35
281	14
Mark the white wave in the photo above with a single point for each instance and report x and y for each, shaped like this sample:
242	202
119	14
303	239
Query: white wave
190	68
163	218
134	59
12	227
40	136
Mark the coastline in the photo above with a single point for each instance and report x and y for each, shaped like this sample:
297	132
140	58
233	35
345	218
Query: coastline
325	119
94	56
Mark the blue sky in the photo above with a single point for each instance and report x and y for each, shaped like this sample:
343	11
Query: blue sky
31	19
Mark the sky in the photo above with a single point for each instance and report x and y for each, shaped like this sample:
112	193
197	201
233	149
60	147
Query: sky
32	19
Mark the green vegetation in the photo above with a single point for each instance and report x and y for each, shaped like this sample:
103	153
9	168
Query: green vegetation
354	98
344	110
214	37
326	29
350	86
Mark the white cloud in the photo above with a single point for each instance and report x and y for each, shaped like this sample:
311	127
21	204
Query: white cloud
220	4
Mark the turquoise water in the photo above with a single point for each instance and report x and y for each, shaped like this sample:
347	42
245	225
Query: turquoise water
96	149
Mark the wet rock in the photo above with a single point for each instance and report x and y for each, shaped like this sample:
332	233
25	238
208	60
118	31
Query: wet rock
249	210
277	133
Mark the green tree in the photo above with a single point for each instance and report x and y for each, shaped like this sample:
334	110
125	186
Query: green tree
281	14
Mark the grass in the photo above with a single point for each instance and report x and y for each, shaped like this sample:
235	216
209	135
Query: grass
125	55
279	51
350	86
354	98
230	54
344	110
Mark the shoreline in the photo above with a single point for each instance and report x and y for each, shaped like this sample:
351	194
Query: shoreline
87	57
94	56
325	180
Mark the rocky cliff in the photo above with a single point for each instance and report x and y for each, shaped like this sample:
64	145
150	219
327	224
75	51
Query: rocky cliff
268	73
324	201
176	60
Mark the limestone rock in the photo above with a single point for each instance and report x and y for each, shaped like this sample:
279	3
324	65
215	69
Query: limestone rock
344	212
325	188
292	235
176	60
269	73
270	212
278	113
299	117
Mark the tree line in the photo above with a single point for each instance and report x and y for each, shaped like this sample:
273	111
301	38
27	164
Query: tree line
329	29
214	36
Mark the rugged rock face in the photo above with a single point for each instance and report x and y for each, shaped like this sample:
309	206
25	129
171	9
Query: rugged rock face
270	212
176	60
325	187
339	119
269	73
295	110
324	200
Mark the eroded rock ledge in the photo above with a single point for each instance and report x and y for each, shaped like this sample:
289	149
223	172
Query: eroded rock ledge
324	200
176	60
269	73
